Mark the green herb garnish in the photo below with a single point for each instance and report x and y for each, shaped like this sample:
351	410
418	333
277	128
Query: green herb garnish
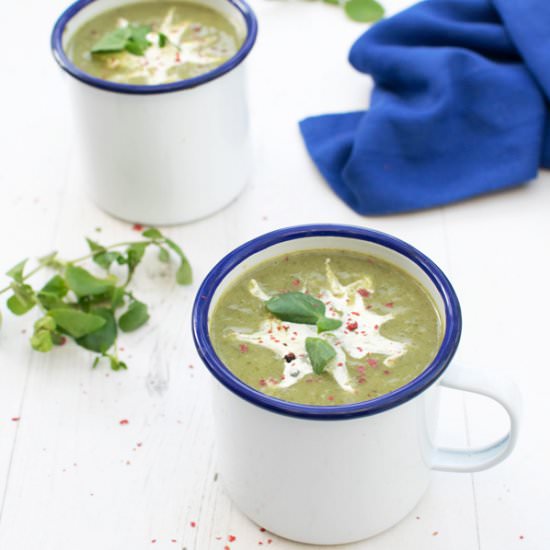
363	11
297	307
132	39
78	305
320	353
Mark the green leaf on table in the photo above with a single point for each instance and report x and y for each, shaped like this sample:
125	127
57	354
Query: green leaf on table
296	307
184	275
42	341
114	41
105	259
152	233
76	323
104	337
135	316
364	11
94	246
16	272
22	300
320	353
164	255
325	324
83	283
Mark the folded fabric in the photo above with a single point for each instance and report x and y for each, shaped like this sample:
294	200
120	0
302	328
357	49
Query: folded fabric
459	107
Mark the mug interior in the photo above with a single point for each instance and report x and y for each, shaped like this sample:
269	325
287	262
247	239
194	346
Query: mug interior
237	12
305	238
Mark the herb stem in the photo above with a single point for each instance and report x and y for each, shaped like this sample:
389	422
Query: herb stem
77	261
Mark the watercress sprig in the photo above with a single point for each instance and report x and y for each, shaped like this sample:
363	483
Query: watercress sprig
76	304
298	307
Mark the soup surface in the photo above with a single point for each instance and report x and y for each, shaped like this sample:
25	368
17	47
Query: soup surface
389	329
153	43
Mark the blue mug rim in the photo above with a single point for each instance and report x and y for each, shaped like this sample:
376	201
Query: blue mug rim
68	66
377	405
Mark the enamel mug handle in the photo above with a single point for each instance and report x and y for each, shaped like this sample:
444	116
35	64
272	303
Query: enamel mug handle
492	384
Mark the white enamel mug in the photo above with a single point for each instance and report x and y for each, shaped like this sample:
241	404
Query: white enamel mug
338	474
162	154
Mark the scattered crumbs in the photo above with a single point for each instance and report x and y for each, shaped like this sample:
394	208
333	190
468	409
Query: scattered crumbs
216	476
435	533
139	444
243	348
521	537
264	218
193	524
16	419
218	538
153	541
226	547
24	331
137	227
231	538
173	541
98	229
191	366
128	463
417	517
269	541
124	422
91	494
121	349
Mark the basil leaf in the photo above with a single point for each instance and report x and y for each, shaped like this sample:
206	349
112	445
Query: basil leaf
364	11
163	39
320	353
16	272
325	324
137	43
83	283
104	337
135	316
23	299
56	286
296	307
112	42
76	323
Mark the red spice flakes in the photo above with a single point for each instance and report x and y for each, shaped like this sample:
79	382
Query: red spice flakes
521	537
269	541
340	364
16	419
386	372
361	369
363	292
124	422
231	538
226	547
191	366
296	282
178	57
173	541
262	382
139	444
376	327
330	398
352	325
192	524
435	533
153	541
360	349
262	529
260	543
372	362
137	227
355	313
389	304
62	341
243	348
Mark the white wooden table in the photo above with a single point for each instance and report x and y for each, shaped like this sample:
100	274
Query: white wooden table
72	477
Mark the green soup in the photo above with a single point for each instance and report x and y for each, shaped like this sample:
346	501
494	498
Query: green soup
153	43
390	329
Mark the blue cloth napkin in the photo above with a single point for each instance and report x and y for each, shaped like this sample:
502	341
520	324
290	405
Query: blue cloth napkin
459	108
